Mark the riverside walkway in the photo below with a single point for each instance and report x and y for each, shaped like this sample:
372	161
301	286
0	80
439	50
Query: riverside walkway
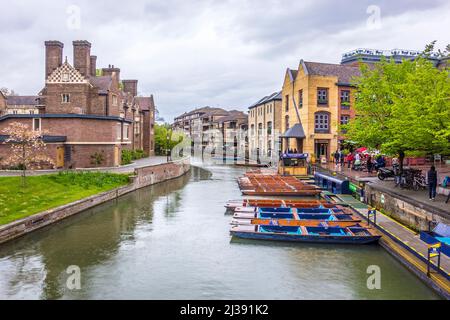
407	246
150	161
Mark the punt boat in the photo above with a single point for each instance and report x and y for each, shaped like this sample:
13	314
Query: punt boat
356	234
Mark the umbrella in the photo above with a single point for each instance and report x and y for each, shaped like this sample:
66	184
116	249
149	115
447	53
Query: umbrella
360	150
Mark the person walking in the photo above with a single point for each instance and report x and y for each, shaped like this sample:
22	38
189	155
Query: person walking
349	160
369	163
342	159
432	182
336	158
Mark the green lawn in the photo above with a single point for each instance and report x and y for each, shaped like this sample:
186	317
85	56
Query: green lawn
50	191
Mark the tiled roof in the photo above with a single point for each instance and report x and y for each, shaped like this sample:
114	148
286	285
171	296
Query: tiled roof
272	97
21	100
344	73
233	116
103	83
145	103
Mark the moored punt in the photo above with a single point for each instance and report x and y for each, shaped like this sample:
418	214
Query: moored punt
356	234
248	205
338	213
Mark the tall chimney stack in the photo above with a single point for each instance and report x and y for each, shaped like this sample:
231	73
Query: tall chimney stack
82	57
110	70
130	86
93	66
53	56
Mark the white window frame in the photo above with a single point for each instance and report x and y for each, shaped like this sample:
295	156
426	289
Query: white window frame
40	124
65	95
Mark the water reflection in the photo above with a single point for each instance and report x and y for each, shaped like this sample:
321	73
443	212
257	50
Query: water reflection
171	241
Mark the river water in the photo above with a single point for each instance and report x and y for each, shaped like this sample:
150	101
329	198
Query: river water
171	241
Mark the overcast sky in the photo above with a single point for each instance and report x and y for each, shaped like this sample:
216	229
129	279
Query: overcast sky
191	53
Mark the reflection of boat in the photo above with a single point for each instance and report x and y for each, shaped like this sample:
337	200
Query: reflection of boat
356	234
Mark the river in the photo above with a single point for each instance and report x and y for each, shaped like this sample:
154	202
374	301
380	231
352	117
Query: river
171	241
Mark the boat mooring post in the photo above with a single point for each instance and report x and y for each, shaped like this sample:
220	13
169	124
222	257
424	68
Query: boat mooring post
434	250
372	212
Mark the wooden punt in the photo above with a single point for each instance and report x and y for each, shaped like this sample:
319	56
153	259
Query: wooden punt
317	234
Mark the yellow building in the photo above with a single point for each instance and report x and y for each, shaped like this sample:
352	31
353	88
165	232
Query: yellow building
323	95
264	127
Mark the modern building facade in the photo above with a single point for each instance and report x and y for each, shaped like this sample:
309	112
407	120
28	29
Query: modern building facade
324	97
89	115
264	123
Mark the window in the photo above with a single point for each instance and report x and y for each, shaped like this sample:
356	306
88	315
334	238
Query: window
125	132
345	99
287	103
269	127
286	120
300	98
65	98
37	124
322	122
345	119
322	96
252	129
259	129
119	131
114	100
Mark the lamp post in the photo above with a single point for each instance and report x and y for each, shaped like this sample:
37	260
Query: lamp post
167	146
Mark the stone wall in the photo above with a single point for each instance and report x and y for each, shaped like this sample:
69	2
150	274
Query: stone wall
143	177
409	212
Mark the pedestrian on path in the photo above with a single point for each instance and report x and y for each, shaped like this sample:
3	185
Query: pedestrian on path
350	159
369	164
432	182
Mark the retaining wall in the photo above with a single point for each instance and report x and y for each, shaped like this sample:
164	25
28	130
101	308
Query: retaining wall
407	211
143	177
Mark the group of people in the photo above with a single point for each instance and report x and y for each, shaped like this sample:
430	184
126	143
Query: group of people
355	160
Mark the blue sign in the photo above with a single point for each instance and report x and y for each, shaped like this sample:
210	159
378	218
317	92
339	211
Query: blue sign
295	155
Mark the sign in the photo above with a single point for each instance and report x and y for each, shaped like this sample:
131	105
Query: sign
382	198
352	187
295	155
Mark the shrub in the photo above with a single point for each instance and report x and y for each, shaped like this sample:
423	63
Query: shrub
127	157
97	158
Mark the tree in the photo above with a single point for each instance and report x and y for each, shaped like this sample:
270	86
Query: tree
166	138
403	108
27	148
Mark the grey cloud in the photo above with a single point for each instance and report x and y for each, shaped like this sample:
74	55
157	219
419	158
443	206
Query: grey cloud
211	52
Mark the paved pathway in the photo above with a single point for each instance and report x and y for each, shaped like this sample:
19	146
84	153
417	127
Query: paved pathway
122	169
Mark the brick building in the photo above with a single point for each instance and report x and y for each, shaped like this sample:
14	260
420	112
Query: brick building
324	96
90	115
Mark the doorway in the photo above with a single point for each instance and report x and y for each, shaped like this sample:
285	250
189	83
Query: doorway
60	157
321	148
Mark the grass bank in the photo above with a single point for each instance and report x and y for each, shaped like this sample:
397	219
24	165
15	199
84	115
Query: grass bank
50	191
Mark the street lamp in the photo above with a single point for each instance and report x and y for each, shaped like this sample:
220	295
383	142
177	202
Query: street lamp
167	146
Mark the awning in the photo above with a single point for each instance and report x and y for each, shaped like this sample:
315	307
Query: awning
295	132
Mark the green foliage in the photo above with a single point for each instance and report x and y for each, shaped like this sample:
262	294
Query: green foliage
50	191
127	157
165	138
402	108
97	158
98	72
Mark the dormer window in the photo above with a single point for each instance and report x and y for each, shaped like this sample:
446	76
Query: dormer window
65	98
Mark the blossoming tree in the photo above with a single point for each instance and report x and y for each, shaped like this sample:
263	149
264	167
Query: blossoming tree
27	148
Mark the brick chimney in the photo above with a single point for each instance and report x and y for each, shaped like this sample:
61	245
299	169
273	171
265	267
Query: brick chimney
82	57
53	56
110	70
93	65
130	86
